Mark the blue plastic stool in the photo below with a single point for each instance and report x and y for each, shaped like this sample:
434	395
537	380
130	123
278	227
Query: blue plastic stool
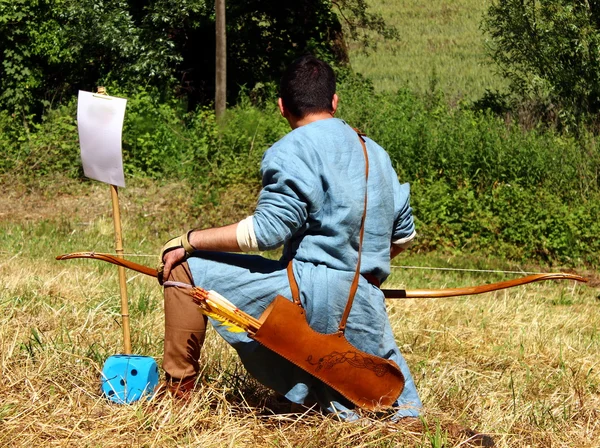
128	378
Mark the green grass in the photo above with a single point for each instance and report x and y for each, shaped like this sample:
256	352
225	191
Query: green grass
440	44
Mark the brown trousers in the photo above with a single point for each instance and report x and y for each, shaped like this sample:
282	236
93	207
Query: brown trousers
185	328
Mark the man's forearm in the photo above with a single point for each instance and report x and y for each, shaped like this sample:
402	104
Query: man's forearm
401	244
218	239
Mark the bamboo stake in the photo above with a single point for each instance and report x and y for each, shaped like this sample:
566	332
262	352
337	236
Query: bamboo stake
114	195
122	281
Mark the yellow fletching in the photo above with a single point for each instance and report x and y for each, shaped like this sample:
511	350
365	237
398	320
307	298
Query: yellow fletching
230	326
222	310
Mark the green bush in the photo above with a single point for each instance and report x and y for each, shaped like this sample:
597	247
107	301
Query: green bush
40	148
9	149
155	140
478	183
246	134
510	221
461	146
481	184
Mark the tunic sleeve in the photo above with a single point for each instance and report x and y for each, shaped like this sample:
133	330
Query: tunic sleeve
404	226
285	199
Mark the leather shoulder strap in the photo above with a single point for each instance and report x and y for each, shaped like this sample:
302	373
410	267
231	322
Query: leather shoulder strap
354	285
293	283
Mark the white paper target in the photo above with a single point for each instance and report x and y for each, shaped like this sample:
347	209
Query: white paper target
100	124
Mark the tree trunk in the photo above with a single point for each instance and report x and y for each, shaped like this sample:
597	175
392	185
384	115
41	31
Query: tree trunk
221	59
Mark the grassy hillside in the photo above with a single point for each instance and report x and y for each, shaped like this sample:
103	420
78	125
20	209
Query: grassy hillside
440	43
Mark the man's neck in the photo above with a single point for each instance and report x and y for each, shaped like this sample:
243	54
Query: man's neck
307	119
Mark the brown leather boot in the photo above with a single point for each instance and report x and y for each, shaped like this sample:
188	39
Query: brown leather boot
179	389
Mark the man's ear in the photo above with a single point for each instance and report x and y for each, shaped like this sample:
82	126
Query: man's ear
282	108
334	103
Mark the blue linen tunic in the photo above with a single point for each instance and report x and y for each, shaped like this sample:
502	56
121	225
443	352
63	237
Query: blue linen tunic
312	201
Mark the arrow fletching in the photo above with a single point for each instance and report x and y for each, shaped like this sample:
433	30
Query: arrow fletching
217	307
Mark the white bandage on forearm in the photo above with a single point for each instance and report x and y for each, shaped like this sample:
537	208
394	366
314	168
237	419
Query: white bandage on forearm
405	243
246	238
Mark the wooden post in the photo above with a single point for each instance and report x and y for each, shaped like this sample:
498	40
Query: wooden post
221	60
122	281
114	194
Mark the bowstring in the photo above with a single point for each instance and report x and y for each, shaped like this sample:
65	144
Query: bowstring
424	268
495	271
5	252
133	255
93	252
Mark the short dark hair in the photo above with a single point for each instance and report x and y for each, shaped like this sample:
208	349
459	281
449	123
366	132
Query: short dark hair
307	86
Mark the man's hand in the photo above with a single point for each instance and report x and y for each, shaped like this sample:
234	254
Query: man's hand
178	245
170	259
176	250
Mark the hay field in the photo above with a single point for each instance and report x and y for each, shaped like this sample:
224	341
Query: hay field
441	46
522	364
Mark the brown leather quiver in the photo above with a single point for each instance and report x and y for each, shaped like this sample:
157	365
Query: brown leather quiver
366	380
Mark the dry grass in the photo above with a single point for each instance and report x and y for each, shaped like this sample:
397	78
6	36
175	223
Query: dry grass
522	364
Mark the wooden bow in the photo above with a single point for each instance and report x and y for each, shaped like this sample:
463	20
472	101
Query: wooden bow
389	293
111	259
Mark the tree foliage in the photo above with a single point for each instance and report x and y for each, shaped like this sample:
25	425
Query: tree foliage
52	48
549	50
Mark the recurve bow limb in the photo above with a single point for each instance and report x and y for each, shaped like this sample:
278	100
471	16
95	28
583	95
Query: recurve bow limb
111	259
471	290
389	293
